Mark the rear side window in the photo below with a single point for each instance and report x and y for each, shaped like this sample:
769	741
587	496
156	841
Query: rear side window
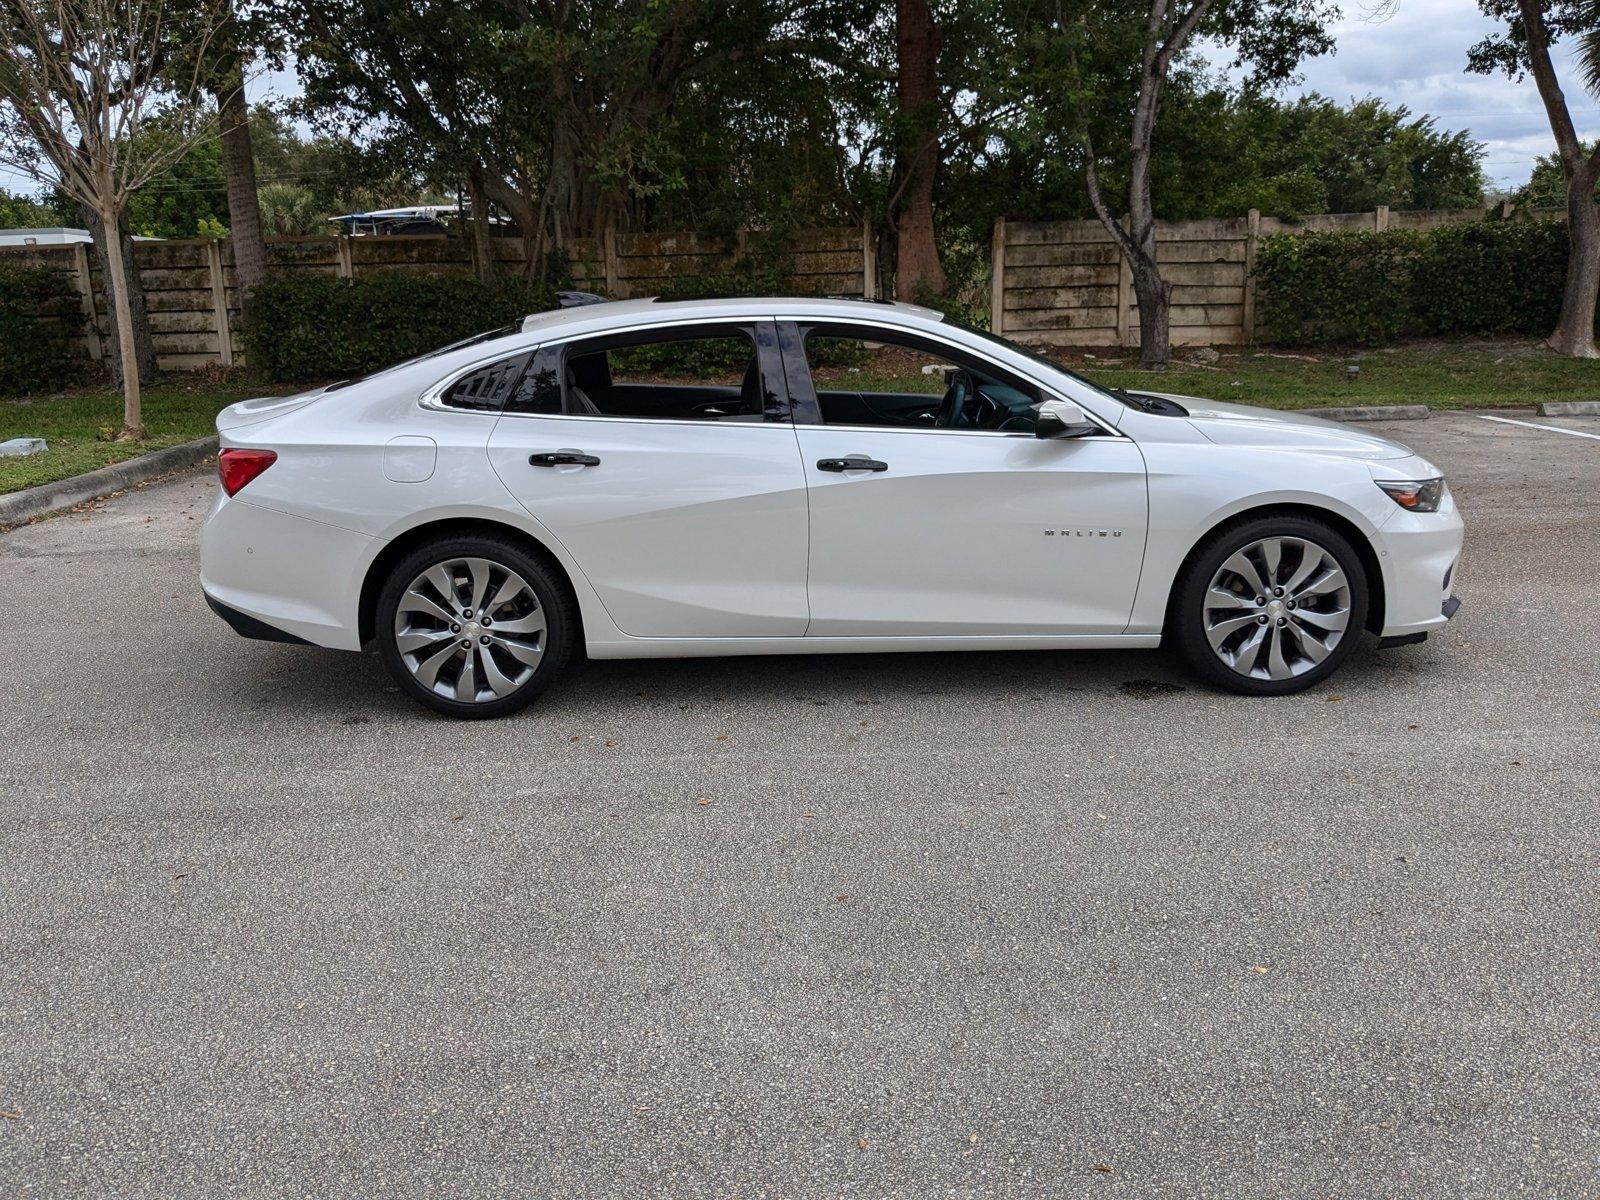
487	388
693	373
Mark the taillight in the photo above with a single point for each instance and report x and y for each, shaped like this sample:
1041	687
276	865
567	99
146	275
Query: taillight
238	467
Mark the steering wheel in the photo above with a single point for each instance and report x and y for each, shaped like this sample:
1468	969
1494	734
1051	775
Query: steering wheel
955	400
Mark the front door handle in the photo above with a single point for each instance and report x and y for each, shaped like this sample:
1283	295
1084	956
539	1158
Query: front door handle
563	458
856	462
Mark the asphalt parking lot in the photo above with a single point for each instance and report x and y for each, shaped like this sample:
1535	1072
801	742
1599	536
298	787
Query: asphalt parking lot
1017	924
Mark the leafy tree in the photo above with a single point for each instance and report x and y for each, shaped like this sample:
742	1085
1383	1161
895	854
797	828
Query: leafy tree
449	83
182	195
702	112
290	210
1522	47
31	212
1094	73
83	82
1547	186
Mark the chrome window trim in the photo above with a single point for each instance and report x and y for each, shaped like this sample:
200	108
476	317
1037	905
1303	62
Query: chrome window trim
432	398
697	424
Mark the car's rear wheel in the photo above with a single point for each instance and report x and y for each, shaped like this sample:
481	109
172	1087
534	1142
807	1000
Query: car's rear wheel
474	626
1271	606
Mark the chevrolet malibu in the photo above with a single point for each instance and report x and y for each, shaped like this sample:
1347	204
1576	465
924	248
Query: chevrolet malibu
649	479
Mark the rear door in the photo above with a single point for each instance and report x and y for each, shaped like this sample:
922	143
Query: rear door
665	462
949	517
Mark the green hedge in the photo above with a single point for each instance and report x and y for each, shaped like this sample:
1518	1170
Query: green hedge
322	327
39	314
1486	277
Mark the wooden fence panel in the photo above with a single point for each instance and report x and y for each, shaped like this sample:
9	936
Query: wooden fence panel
192	293
1064	283
1054	283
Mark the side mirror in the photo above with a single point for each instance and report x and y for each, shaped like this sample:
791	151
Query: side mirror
1062	419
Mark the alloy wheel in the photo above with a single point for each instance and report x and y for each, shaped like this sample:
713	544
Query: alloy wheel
470	630
1276	608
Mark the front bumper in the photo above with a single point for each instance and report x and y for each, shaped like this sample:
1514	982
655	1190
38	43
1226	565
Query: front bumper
1420	555
1447	610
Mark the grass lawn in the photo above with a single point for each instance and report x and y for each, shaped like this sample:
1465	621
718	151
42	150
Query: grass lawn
1477	373
177	411
1468	373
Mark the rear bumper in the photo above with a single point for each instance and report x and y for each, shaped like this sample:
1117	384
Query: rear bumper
299	578
247	626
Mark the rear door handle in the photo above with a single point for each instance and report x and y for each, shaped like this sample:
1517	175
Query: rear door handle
856	462
563	458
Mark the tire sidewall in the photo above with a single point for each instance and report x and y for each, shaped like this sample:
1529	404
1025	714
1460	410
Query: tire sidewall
552	600
1188	620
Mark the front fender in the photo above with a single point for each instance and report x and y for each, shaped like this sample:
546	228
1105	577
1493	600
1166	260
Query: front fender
1194	489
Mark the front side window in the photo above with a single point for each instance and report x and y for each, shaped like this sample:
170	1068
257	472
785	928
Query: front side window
708	373
885	378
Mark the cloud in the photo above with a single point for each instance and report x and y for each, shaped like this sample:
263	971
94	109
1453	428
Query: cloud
1418	57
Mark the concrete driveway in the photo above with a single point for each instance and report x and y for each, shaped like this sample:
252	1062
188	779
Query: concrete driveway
1022	924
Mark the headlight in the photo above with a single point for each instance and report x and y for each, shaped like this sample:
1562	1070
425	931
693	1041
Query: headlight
1421	495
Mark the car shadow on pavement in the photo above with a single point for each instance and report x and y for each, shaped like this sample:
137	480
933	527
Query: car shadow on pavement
330	685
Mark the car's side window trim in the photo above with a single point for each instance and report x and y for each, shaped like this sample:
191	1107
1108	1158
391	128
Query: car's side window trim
760	329
434	396
808	410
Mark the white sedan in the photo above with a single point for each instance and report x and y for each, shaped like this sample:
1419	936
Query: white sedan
649	479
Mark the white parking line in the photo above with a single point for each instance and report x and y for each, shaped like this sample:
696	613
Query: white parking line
1536	425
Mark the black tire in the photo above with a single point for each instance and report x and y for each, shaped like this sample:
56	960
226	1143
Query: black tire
1186	621
549	590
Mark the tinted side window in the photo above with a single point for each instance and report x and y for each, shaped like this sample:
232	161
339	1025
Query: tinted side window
676	375
539	389
885	378
487	388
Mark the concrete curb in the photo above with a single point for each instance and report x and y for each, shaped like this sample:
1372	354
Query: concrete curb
66	493
1372	412
1570	408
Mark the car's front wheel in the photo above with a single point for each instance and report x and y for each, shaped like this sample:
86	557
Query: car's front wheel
474	626
1271	606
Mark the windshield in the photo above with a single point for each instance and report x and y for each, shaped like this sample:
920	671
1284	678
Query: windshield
475	340
1117	394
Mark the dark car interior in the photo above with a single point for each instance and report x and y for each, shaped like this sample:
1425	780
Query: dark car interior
974	397
593	388
969	401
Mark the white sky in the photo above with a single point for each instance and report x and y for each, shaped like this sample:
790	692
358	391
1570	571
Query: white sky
1416	57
